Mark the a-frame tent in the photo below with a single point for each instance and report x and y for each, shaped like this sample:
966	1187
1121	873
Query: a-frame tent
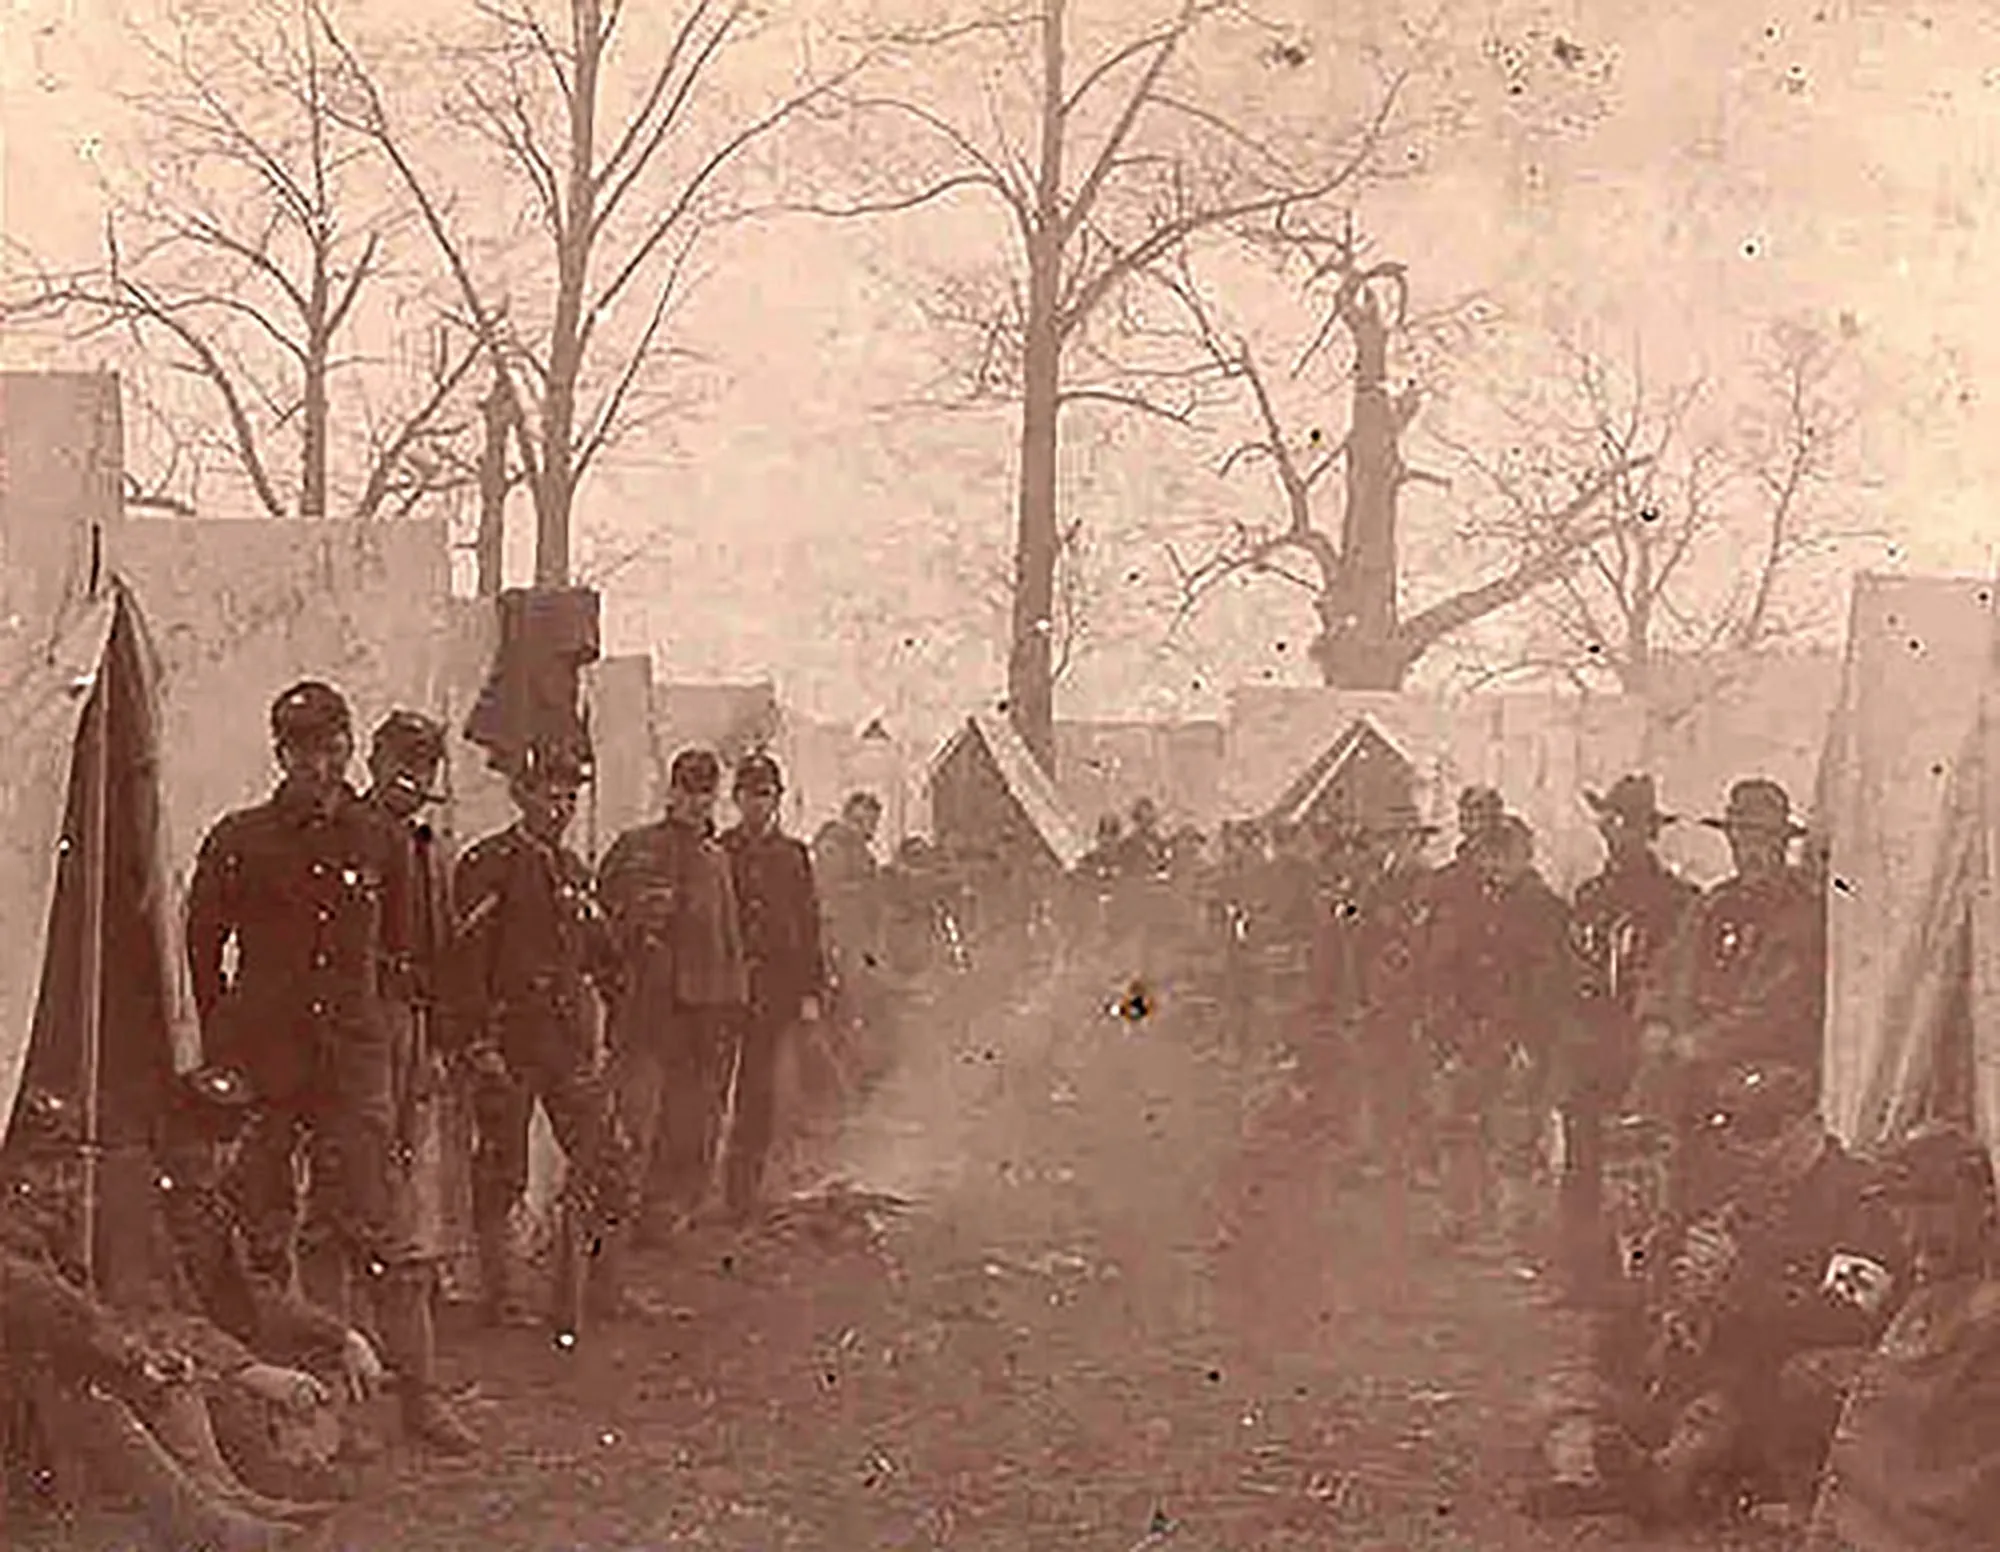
991	796
89	938
1909	803
1354	780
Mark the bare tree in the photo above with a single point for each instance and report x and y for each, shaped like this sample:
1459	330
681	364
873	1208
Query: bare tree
621	189
1353	571
1705	537
243	260
1105	170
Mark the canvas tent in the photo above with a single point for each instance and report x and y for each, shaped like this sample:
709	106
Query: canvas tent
1908	803
89	950
990	796
1353	781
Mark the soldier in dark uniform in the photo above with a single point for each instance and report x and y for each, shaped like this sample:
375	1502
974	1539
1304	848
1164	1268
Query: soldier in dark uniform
530	948
780	912
404	759
671	898
1622	922
1724	1369
1392	959
1503	961
317	890
1743	983
125	1393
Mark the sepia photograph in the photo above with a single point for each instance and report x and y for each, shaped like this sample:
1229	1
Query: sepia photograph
1066	776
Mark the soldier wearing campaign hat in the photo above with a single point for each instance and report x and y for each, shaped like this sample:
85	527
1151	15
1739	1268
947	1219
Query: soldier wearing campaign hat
1621	923
1743	981
316	889
779	905
531	950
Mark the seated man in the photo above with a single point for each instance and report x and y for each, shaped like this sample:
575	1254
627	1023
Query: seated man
1727	1378
265	1315
1915	1464
131	1412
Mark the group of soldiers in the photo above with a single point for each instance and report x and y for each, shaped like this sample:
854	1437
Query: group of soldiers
347	972
1645	1057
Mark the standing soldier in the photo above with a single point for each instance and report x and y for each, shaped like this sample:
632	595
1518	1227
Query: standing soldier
1505	957
1742	987
1392	995
843	856
672	901
315	888
1622	923
530	946
780	912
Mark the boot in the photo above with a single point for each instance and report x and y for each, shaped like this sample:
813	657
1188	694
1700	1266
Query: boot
427	1418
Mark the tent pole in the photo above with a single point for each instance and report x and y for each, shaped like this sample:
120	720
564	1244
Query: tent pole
95	867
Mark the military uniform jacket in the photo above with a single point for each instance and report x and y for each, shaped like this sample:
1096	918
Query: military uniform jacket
321	908
1393	960
1622	925
530	943
1503	970
1801	1227
1745	974
697	962
773	877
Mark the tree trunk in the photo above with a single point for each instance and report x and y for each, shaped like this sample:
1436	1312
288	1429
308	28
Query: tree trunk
490	544
1358	647
556	490
315	410
1031	661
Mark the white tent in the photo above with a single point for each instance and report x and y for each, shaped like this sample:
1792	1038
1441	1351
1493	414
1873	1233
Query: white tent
1909	801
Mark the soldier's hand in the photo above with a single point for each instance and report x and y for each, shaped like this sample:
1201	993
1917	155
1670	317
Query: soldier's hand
289	1390
360	1368
809	1011
1859	1281
164	1369
483	1060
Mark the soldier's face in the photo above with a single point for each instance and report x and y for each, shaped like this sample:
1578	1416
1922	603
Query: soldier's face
691	807
1623	840
406	784
548	810
866	818
1757	851
759	809
317	763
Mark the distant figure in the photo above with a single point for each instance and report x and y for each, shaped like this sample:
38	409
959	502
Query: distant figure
775	893
843	856
671	896
1142	853
1624	920
1742	986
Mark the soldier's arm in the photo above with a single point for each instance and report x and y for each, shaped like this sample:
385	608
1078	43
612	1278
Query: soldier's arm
400	884
212	914
478	889
291	1328
809	923
42	1313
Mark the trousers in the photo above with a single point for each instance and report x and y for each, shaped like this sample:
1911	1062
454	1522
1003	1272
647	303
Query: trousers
673	1088
760	1039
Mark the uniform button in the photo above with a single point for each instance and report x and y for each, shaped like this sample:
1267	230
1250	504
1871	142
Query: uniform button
319	870
320	961
325	915
319	1009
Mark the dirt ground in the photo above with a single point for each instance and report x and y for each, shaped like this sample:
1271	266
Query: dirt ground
1120	1311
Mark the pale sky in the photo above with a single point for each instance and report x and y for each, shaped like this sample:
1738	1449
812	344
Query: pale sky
1755	161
